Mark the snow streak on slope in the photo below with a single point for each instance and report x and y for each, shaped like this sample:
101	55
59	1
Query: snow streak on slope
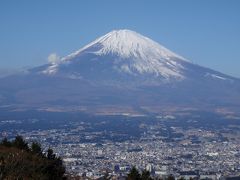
131	53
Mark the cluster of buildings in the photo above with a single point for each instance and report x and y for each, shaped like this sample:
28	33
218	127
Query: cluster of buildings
212	160
183	152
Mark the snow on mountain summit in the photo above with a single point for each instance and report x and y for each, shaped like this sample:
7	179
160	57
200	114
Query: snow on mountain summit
128	44
122	72
131	53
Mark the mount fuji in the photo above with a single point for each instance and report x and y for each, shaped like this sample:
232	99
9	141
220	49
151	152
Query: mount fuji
121	72
122	52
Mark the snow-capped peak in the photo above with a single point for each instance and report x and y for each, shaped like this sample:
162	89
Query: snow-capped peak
128	44
130	53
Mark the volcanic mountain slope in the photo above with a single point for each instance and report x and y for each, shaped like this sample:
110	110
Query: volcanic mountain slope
121	52
121	69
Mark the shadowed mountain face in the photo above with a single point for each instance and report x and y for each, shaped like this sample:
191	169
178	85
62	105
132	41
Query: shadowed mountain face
121	71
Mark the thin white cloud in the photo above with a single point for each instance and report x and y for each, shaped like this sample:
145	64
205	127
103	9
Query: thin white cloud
53	58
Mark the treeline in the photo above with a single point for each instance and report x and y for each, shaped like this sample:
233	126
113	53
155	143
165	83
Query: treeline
20	160
134	174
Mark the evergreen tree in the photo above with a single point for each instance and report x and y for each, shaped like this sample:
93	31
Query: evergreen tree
134	174
5	142
50	154
170	177
36	148
20	143
146	175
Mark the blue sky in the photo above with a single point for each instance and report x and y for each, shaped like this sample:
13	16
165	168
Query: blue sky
204	31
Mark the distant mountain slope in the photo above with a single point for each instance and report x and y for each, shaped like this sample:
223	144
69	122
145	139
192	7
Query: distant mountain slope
121	70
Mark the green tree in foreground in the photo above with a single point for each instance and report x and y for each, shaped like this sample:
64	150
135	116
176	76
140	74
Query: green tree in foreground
50	154
6	143
20	143
135	175
146	175
18	160
170	177
36	148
